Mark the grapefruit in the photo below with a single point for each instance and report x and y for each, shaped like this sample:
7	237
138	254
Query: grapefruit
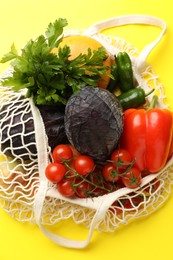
79	44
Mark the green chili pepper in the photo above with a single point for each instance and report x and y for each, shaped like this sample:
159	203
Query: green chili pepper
125	71
133	98
113	82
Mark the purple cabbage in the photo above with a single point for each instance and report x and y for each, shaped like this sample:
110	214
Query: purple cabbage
94	122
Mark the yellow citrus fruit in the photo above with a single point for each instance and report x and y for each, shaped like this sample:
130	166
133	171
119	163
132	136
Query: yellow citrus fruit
79	44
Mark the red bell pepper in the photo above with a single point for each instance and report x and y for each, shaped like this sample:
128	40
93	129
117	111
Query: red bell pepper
148	135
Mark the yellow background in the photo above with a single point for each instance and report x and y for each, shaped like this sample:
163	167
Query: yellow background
148	238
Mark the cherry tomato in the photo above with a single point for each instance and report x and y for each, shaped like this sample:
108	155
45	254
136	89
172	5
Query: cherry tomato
62	152
121	158
84	164
83	189
95	177
126	204
134	202
55	172
137	200
65	187
116	208
110	172
132	179
155	184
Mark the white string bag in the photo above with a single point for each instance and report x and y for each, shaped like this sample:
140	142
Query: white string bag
26	194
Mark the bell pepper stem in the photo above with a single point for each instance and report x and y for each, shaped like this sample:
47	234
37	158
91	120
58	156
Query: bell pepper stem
153	102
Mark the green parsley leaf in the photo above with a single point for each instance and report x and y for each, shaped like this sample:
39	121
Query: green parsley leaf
54	31
52	78
12	54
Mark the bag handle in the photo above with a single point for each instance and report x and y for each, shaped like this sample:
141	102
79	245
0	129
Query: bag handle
41	142
131	19
72	243
103	203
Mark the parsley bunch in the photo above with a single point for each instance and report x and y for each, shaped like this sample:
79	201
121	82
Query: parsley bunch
52	78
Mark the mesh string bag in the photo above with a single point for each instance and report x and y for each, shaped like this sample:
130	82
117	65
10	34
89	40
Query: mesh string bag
25	192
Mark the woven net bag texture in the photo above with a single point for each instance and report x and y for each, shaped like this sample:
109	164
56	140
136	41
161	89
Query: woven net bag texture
26	194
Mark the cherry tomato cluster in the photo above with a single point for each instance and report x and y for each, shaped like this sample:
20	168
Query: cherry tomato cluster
78	175
121	166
